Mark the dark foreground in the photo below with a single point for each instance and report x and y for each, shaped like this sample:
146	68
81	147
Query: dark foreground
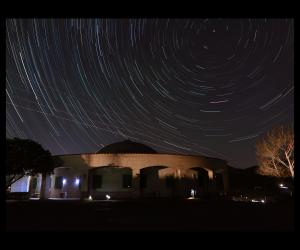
179	215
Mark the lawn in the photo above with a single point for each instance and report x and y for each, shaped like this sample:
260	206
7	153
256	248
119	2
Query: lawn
178	215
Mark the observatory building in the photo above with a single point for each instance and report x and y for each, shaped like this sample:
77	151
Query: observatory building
129	169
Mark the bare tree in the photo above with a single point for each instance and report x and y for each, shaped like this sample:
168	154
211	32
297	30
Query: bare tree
275	152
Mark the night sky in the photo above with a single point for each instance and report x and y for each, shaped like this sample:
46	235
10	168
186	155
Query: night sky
190	86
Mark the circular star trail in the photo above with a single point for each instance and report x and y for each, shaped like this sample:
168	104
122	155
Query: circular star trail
190	86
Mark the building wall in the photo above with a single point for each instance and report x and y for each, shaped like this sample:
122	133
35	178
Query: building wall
69	189
182	163
25	184
184	180
73	167
111	184
139	161
21	185
150	186
183	168
35	191
156	168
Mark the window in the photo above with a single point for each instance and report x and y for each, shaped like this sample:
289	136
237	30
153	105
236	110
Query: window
97	181
58	182
170	181
127	180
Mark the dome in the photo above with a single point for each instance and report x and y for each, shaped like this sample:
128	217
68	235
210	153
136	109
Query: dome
127	146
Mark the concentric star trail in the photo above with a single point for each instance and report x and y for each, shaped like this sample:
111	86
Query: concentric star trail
190	86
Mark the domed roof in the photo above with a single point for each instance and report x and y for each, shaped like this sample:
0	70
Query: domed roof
127	146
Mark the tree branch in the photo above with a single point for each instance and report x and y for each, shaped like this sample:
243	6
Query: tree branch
13	181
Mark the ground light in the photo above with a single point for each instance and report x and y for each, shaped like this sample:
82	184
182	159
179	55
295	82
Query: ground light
258	201
283	186
90	198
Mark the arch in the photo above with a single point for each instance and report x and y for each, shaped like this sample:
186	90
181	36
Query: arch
154	166
113	180
203	180
149	182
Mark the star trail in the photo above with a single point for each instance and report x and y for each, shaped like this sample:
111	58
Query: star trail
188	86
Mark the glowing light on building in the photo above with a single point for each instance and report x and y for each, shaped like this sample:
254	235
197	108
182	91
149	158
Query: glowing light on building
77	181
193	192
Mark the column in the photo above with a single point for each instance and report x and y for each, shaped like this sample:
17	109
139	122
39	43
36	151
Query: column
136	183
211	182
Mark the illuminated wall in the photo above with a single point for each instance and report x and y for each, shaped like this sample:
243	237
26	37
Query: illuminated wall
152	169
154	175
21	185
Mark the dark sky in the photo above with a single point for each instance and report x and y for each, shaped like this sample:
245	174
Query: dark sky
191	86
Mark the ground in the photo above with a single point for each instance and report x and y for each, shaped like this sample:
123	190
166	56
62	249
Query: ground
178	215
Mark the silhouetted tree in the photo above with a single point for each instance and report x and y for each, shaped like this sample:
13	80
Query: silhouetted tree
24	156
275	152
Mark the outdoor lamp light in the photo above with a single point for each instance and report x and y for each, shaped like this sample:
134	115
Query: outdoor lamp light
193	193
77	181
283	186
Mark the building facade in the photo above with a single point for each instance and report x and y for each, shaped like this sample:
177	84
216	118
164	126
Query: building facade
131	170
